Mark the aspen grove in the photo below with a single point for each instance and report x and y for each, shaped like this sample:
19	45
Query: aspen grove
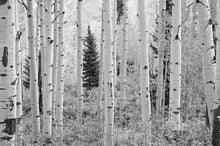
109	72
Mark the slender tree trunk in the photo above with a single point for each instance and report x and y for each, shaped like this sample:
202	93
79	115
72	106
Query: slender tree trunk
60	71
8	79
47	96
18	52
162	13
55	47
100	96
37	42
144	71
108	77
206	40
80	63
33	74
114	30
216	122
164	85
175	65
42	45
124	57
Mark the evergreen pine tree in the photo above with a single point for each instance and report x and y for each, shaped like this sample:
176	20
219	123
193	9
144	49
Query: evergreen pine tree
90	62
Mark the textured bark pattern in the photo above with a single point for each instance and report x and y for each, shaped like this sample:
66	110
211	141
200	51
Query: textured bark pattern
206	42
124	57
162	12
33	74
175	66
114	30
144	71
8	81
47	96
18	52
79	64
108	76
216	118
60	71
55	48
42	44
100	94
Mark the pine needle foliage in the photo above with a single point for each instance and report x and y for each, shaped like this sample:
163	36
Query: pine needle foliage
90	62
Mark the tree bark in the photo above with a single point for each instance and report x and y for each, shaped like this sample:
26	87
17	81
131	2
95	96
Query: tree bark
55	48
114	30
18	52
60	71
216	120
80	63
42	44
144	71
175	65
124	58
108	77
162	14
207	46
8	79
47	95
101	72
33	74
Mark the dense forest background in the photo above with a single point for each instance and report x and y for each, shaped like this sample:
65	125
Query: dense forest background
128	131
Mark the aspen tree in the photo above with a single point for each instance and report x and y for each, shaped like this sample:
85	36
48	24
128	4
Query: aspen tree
79	63
8	79
33	73
114	30
60	71
37	42
108	76
47	95
18	53
42	42
144	70
124	57
100	94
175	64
207	46
162	13
216	120
55	48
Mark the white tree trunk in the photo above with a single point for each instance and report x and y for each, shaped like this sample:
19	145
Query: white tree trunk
114	30
216	120
60	71
206	40
55	47
33	73
37	26
144	70
8	79
47	96
42	43
18	53
101	63
80	63
162	14
123	71
108	76
175	65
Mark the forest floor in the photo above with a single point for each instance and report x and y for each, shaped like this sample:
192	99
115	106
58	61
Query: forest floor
127	132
